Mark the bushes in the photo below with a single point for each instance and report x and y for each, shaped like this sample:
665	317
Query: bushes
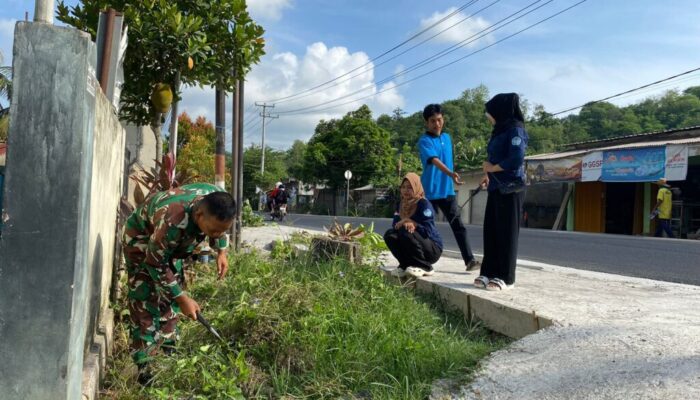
312	330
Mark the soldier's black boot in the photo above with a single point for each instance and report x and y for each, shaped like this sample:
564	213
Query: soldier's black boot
145	377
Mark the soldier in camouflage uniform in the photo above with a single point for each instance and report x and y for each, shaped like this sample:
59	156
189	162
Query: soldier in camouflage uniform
160	233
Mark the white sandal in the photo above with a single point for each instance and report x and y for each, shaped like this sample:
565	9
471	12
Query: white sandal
481	282
499	285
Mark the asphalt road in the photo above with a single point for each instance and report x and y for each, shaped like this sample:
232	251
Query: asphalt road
671	260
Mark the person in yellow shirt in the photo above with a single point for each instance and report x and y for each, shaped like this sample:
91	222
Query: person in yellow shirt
663	208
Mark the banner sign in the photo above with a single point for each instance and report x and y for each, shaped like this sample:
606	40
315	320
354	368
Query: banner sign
592	166
634	165
676	162
561	170
693	151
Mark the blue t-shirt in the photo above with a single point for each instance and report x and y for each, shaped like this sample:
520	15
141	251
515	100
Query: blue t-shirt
425	221
507	149
437	184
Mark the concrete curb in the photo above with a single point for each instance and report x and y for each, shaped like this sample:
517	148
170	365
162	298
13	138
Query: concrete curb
581	334
507	320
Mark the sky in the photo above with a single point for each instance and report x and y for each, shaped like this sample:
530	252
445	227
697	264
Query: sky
596	49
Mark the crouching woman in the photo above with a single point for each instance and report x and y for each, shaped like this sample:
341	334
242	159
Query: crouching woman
414	239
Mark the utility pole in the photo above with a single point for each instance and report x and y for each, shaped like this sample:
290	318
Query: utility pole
235	132
264	114
172	145
43	11
239	195
220	158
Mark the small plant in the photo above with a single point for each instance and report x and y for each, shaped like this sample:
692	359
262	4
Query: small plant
372	242
281	250
249	217
158	180
149	182
345	233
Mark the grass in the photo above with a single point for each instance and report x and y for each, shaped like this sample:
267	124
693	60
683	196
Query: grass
307	330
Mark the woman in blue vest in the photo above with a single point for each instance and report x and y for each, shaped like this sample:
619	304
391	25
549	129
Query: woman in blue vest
414	239
504	176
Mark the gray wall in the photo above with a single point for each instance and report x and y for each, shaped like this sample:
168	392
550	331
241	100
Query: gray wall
63	171
140	154
105	192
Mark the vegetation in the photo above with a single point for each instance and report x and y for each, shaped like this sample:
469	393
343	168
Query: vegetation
464	119
356	143
5	82
220	37
5	92
275	169
248	217
301	329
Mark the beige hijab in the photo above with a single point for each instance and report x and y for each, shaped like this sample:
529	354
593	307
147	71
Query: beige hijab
408	206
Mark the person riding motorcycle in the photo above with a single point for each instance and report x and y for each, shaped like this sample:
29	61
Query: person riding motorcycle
277	201
271	195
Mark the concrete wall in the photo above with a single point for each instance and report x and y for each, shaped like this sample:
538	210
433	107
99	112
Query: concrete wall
473	212
63	177
140	153
105	192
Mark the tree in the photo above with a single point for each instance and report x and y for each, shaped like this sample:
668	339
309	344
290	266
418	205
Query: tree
295	159
187	130
219	36
196	141
5	82
354	143
275	169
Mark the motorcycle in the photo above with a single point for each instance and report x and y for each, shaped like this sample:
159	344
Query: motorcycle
279	212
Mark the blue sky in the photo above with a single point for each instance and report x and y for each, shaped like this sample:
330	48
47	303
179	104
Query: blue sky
598	48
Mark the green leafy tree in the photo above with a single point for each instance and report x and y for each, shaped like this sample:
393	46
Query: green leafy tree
219	36
354	143
5	81
295	159
693	90
275	170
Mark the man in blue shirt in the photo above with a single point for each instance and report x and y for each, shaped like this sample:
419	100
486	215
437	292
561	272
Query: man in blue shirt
439	177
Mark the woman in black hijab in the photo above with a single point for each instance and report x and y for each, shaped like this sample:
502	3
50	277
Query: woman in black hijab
504	176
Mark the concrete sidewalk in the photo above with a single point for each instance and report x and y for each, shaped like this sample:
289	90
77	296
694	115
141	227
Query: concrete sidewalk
583	335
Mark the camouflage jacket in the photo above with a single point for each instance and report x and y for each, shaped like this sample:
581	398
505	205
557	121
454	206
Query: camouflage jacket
162	230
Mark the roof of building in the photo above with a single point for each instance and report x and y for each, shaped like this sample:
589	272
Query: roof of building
690	135
688	132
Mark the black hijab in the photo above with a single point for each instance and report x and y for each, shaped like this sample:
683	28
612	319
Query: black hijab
505	109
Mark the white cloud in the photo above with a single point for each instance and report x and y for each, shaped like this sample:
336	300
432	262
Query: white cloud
563	81
458	33
268	9
7	32
285	74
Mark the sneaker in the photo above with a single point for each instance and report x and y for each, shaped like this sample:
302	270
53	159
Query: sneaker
473	265
417	272
399	272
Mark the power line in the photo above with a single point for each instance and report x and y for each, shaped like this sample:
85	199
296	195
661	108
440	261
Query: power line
461	8
264	115
248	121
441	67
629	91
339	82
484	32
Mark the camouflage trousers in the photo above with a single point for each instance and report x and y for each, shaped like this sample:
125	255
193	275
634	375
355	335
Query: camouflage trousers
153	312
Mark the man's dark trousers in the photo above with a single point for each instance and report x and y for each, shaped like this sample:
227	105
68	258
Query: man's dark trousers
448	206
663	225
